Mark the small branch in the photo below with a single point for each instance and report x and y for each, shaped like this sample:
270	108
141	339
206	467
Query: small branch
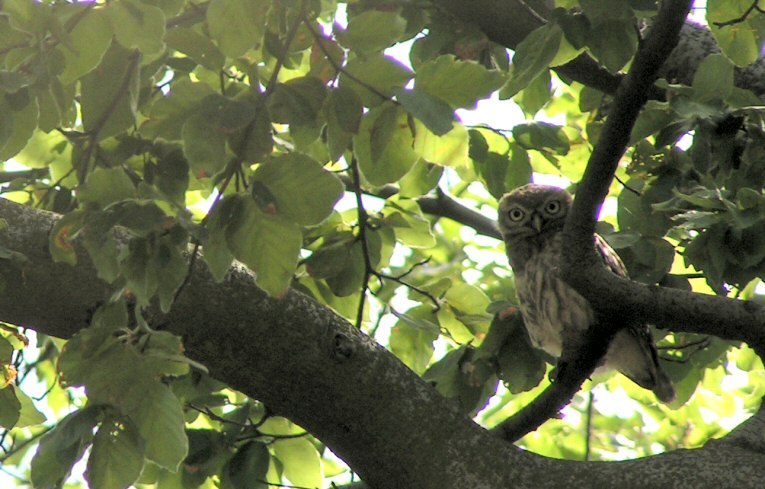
195	13
291	33
752	8
436	304
362	220
530	10
444	206
31	174
573	369
339	69
588	426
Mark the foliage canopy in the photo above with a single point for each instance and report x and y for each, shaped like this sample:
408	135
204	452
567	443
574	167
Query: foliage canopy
286	136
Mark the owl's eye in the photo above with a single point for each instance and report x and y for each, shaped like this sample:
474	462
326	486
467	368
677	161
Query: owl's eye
515	214
553	207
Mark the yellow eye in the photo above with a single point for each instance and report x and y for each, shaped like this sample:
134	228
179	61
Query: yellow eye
515	214
553	207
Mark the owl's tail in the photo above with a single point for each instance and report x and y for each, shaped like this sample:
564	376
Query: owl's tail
662	387
633	353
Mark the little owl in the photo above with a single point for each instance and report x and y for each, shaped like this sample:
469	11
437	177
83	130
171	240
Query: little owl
531	221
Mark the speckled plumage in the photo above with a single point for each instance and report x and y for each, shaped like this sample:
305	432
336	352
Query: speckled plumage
531	219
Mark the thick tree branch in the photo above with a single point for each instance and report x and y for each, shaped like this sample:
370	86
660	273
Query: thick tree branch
312	366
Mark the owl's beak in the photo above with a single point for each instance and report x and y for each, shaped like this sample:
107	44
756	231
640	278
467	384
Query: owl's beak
536	222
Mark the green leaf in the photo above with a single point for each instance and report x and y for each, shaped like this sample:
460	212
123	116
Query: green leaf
255	141
450	150
298	101
246	467
532	56
27	16
467	298
460	83
493	170
196	46
215	250
109	93
654	117
374	77
90	39
237	25
163	355
304	191
159	419
536	95
116	458
613	42
436	114
348	279
60	448
204	145
414	345
519	171
137	25
384	144
171	269
345	108
421	179
713	79
18	120
169	113
410	226
59	244
541	136
520	366
461	376
105	186
268	244
739	41
373	30
29	414
302	464
343	112
10	407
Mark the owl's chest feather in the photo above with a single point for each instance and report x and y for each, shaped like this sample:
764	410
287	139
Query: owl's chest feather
551	309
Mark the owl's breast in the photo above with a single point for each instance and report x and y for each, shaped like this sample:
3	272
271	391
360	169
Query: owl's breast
551	309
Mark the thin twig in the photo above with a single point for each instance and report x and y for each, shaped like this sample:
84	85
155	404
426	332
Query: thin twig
752	8
340	69
588	427
291	33
362	221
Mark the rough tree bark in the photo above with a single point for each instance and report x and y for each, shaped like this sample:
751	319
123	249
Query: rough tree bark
307	363
332	384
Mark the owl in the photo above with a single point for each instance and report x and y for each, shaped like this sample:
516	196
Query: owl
531	220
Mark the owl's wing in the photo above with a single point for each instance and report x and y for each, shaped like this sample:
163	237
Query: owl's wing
644	367
610	259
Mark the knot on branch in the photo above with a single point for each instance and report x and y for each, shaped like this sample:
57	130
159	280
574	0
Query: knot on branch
342	348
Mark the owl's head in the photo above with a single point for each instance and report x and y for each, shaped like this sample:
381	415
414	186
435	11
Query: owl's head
532	211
